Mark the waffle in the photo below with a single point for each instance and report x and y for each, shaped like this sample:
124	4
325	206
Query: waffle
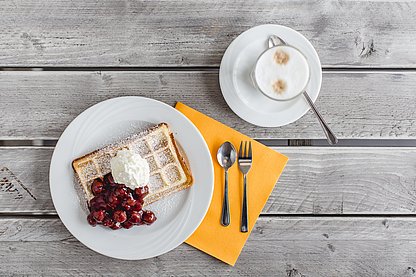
169	172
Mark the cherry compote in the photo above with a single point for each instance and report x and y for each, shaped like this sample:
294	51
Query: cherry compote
117	206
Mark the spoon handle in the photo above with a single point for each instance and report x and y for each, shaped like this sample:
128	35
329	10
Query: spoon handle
225	217
330	136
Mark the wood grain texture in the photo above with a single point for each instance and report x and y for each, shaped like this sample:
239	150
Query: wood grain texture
356	105
316	181
277	247
354	180
28	167
196	33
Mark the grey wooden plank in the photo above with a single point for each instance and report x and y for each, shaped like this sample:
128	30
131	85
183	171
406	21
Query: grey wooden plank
353	180
28	168
277	247
356	105
317	180
191	32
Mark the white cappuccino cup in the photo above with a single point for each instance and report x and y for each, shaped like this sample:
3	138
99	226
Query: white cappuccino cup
281	72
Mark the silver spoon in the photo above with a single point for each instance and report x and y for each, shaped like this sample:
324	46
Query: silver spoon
226	157
330	136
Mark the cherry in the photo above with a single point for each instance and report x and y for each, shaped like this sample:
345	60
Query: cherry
131	202
141	192
98	202
125	206
108	222
91	220
98	215
136	217
97	186
115	226
127	225
120	191
137	207
94	201
140	200
148	217
113	200
120	216
108	179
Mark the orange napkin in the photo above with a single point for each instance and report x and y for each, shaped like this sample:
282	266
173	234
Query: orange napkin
226	243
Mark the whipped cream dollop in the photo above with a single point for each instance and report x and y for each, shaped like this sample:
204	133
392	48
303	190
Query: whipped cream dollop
130	169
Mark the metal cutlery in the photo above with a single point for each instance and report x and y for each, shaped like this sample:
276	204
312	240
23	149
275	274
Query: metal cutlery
226	157
245	160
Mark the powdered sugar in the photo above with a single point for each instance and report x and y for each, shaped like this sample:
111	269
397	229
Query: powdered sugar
156	147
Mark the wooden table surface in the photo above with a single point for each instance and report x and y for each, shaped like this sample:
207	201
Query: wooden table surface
347	210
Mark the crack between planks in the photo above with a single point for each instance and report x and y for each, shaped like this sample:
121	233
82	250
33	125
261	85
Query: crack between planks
267	142
339	215
29	215
213	68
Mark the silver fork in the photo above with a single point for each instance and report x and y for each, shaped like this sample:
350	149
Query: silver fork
245	159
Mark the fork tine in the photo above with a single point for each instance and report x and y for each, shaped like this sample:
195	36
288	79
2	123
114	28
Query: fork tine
249	150
245	149
240	151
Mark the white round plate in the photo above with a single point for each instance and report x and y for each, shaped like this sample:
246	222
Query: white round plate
178	215
238	90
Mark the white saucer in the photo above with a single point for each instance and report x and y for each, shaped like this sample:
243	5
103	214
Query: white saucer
239	92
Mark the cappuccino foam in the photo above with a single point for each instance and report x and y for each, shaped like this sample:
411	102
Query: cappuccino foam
282	72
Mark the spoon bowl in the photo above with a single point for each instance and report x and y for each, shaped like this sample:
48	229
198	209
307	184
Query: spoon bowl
226	155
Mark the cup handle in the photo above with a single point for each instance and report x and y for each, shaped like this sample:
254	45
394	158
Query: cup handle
275	41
